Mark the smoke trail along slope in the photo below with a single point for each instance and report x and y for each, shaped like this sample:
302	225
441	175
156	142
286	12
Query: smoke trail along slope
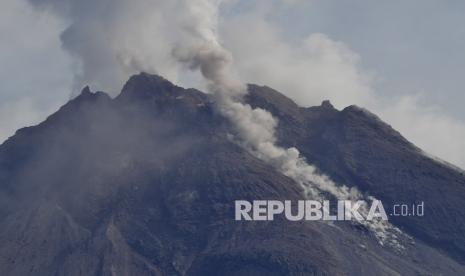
256	127
194	35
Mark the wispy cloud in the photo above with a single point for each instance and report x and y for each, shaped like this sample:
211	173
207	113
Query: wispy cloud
319	67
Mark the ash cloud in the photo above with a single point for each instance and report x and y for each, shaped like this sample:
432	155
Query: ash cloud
111	40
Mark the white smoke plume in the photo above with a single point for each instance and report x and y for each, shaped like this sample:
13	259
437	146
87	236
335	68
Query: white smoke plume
256	126
113	39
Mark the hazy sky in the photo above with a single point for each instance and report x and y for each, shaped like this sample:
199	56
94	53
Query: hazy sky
403	60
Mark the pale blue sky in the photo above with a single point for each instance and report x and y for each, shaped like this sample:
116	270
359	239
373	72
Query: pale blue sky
413	46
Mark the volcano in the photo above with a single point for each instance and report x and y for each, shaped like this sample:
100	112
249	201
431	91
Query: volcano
145	184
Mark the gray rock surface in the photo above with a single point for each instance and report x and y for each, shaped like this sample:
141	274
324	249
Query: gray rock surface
145	184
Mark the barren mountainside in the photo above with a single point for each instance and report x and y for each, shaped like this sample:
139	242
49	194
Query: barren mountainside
145	184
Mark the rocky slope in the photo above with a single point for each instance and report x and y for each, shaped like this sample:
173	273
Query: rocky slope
145	184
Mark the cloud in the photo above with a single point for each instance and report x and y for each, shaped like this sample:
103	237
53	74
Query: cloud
111	41
318	67
313	69
34	76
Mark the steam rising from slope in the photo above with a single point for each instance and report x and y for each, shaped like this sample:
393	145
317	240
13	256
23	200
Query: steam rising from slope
96	38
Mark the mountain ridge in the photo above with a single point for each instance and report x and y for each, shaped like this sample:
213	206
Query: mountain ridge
145	184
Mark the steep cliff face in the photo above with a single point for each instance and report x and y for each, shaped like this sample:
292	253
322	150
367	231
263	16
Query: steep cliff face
145	184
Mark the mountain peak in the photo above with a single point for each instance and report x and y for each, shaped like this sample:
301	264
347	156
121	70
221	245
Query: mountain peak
144	86
327	104
87	95
86	91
